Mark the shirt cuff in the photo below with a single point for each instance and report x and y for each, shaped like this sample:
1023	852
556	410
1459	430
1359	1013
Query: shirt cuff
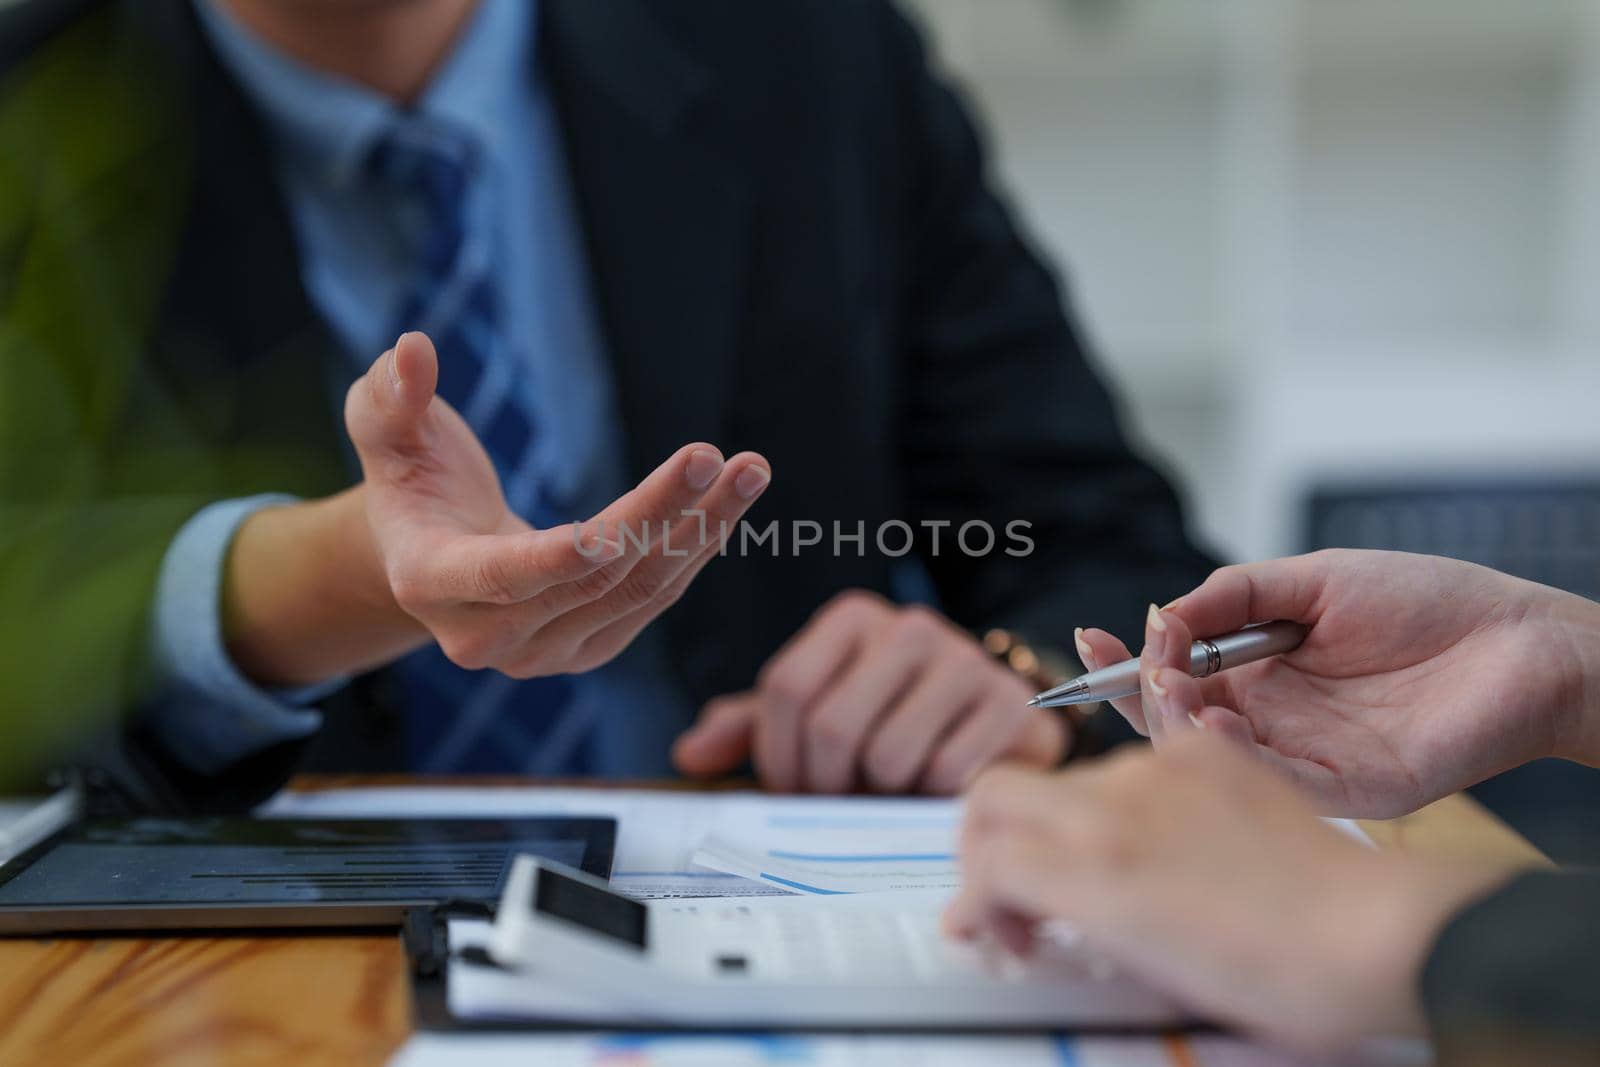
210	715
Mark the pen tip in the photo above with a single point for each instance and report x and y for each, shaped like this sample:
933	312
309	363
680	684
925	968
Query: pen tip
1033	702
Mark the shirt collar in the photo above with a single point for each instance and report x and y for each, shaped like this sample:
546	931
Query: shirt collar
487	75
328	124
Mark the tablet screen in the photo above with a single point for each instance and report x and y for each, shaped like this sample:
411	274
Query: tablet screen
222	862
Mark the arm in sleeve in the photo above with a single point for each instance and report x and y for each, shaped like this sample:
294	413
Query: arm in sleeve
1517	975
1006	419
209	715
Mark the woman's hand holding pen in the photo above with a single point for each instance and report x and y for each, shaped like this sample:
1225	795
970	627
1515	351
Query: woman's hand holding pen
1419	676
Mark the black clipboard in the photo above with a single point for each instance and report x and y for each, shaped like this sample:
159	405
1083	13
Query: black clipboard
425	935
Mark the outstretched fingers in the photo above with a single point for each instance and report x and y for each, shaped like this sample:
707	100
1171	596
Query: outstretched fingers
676	557
508	569
669	529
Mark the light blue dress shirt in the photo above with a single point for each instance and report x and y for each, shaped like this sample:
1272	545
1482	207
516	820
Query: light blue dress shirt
357	240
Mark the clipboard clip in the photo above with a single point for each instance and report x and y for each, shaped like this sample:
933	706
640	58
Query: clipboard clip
425	934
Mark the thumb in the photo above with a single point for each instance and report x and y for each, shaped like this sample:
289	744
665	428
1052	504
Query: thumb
384	406
720	741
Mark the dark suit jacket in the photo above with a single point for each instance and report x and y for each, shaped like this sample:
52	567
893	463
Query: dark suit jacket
793	247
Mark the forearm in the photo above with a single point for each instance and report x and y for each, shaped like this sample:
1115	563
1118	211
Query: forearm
1403	909
1575	630
305	597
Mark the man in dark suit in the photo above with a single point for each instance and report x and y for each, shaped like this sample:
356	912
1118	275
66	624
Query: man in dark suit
621	226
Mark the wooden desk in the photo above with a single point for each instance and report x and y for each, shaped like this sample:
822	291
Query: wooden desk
343	1000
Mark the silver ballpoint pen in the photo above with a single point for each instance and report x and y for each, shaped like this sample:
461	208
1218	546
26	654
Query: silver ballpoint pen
1206	657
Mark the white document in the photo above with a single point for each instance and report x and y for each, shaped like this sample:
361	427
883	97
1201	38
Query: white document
660	831
673	843
913	865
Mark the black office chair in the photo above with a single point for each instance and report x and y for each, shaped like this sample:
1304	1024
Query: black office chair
1547	531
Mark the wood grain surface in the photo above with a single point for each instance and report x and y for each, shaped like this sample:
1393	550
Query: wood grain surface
342	1000
305	1001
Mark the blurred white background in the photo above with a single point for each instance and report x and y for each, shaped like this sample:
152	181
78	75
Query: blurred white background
1312	239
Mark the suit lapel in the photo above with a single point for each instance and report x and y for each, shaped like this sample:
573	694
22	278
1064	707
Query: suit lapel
665	219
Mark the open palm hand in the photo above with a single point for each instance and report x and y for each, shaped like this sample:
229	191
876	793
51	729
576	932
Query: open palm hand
488	587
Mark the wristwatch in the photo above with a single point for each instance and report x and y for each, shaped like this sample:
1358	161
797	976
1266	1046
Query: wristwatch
1042	667
1045	667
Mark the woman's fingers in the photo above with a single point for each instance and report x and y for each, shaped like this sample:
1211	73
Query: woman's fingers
1234	597
1011	874
1183	710
1008	793
1099	649
1226	724
1169	697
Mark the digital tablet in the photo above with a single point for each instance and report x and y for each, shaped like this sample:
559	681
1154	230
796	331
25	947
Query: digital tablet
215	873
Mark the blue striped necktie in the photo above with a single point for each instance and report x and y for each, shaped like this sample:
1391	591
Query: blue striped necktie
457	720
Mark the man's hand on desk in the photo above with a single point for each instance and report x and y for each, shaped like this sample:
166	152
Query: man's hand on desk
873	695
1199	870
1420	676
426	546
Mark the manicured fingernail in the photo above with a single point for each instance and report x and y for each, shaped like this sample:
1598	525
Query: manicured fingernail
394	365
1169	605
1196	720
1155	638
1156	687
1084	654
702	468
751	481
